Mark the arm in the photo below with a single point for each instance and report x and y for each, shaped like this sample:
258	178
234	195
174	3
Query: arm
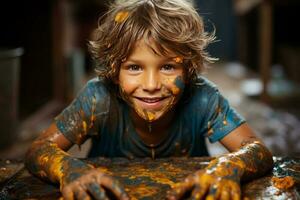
47	159
249	158
249	150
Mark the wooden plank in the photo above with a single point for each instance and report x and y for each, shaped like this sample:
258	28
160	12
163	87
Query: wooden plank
150	179
265	46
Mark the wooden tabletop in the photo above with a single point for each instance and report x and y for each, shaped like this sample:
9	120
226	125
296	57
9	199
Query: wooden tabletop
147	179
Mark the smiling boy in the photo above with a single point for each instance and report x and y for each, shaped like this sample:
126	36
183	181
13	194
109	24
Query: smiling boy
149	100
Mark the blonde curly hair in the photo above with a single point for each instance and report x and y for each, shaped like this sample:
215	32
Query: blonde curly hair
174	25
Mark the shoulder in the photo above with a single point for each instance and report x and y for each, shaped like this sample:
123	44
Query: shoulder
202	91
97	85
97	88
204	85
199	98
96	92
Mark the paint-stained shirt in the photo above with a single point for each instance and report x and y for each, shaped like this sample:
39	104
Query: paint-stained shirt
98	114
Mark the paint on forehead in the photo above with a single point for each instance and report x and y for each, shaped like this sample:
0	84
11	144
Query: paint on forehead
121	16
178	59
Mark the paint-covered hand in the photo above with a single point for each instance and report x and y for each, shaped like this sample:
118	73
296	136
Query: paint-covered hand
87	182
219	180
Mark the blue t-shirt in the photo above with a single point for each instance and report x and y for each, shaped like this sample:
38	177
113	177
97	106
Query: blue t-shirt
98	113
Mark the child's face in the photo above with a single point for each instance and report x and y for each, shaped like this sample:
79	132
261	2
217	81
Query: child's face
150	83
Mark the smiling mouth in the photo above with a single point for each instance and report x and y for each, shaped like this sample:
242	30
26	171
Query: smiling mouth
151	100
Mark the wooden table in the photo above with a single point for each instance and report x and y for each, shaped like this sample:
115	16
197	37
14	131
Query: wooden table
146	178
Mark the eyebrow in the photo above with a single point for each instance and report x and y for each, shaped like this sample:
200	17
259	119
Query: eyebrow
163	60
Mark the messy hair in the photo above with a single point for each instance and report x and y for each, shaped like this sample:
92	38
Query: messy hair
174	25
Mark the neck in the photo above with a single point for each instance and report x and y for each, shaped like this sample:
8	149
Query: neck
152	132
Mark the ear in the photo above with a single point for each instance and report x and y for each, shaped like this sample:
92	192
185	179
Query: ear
115	77
184	77
115	80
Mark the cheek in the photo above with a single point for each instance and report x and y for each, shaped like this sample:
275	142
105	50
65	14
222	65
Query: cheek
174	85
128	85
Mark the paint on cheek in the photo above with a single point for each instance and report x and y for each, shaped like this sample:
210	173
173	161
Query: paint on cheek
175	90
178	85
171	89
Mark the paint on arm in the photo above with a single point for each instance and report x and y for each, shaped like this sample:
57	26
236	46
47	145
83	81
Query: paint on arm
46	160
82	117
251	161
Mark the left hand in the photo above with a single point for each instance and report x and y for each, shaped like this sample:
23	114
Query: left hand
218	183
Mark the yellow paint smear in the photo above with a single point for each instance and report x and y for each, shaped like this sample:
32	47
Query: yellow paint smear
284	182
121	16
150	116
178	59
84	126
142	190
157	177
56	166
175	90
210	131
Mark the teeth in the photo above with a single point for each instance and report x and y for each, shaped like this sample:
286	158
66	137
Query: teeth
150	100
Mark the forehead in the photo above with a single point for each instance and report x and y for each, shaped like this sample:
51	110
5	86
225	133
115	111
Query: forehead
150	47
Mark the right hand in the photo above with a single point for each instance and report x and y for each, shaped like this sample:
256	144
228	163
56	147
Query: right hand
90	184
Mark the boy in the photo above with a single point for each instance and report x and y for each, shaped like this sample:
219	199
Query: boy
149	100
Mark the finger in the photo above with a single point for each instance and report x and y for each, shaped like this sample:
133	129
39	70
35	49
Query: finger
225	193
236	193
81	194
114	186
97	192
67	193
214	192
181	188
199	191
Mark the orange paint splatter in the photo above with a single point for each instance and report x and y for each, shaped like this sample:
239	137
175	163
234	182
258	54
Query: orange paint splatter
151	116
284	182
121	16
175	90
84	126
178	59
56	167
210	131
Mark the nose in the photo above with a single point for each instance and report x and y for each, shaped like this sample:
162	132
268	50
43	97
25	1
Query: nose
151	81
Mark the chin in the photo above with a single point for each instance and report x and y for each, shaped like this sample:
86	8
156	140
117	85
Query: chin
152	115
153	111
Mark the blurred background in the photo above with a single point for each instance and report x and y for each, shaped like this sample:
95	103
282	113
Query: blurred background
44	62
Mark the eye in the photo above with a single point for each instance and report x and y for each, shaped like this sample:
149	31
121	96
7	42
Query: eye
168	68
134	68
